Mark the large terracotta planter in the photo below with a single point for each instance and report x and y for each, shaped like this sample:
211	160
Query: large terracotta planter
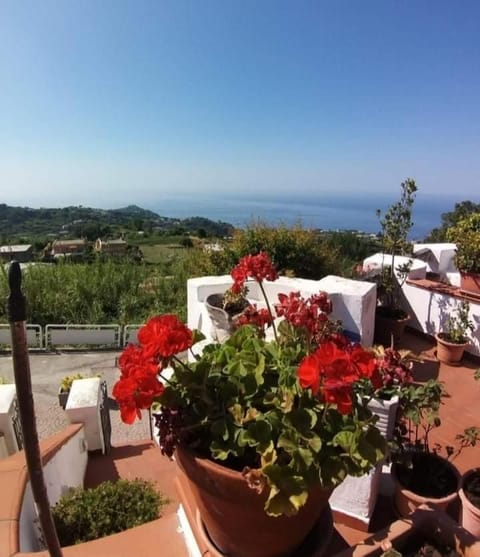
387	327
425	467
470	517
470	283
449	352
233	514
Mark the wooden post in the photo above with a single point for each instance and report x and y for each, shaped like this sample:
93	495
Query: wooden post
23	382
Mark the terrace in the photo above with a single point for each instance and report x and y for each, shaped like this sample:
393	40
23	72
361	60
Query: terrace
135	454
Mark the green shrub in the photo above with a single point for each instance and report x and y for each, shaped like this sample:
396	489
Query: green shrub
88	514
466	235
295	251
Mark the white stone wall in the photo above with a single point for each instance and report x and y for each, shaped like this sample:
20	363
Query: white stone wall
66	469
83	407
353	301
429	311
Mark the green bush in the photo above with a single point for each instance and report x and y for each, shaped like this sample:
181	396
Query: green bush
466	235
295	251
88	514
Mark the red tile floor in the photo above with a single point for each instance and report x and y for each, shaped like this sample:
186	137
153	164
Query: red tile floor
461	410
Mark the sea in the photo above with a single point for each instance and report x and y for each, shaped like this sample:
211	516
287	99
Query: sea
326	211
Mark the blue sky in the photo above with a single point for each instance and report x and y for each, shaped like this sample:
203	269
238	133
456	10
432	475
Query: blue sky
112	102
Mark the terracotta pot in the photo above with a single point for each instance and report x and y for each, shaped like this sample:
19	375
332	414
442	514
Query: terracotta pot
470	517
449	352
388	327
424	525
406	500
470	283
234	516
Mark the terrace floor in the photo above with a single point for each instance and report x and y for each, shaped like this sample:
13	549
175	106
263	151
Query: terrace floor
141	458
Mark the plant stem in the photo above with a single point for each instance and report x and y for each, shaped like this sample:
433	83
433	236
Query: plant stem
269	310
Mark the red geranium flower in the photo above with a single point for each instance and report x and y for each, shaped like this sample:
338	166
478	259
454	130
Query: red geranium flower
253	316
134	362
331	371
258	267
134	393
165	336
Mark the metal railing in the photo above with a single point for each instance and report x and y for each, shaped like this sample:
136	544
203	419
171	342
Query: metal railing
88	336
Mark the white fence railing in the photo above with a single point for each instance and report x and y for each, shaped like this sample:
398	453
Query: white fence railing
34	336
73	336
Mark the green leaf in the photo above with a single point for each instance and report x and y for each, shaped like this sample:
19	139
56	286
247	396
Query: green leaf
347	440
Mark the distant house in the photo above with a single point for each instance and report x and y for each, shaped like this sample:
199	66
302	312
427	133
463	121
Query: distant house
21	253
111	247
68	247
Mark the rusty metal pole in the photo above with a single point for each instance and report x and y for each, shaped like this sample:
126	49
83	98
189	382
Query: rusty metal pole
23	382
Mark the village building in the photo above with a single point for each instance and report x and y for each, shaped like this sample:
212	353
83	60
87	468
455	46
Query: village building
19	252
114	248
68	247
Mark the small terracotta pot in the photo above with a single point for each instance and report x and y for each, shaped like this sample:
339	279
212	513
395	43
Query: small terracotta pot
470	517
234	515
470	283
449	352
406	501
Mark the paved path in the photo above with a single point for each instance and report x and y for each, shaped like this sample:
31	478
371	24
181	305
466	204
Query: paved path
47	370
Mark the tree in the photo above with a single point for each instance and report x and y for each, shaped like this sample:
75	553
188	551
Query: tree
462	210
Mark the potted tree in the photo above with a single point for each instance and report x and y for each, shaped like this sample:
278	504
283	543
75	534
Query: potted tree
390	317
466	235
453	340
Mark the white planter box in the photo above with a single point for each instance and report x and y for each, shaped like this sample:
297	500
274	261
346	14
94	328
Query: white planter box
356	496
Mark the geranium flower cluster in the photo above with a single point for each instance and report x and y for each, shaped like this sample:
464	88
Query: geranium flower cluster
311	313
258	267
161	338
331	372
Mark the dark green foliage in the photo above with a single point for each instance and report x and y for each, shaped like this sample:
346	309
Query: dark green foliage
88	514
460	212
352	247
94	223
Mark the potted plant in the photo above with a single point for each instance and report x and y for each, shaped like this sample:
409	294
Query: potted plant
470	497
466	235
427	531
390	317
261	430
452	341
356	497
420	474
224	310
65	386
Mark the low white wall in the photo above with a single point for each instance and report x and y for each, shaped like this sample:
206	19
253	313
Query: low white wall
353	301
430	310
66	469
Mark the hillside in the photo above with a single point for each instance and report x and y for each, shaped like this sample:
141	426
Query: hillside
86	221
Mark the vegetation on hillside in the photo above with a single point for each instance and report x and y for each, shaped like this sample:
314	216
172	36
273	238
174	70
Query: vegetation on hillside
93	223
